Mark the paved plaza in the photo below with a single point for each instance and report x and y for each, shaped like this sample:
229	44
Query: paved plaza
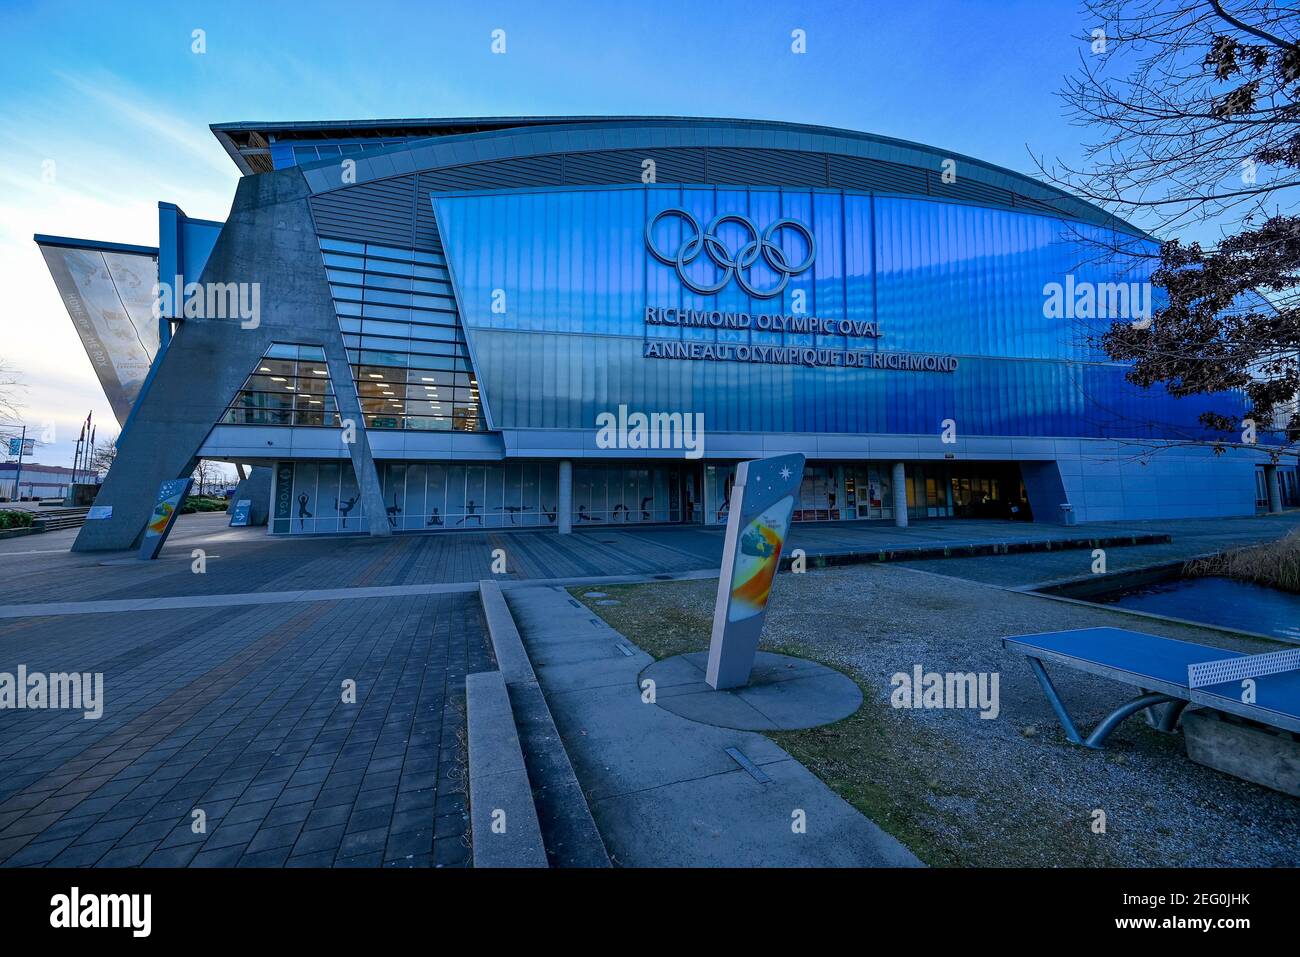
224	690
238	712
38	575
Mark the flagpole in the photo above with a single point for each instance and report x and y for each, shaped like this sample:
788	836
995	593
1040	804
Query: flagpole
18	475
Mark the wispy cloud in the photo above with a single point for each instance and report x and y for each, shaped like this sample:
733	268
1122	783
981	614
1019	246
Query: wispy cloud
88	156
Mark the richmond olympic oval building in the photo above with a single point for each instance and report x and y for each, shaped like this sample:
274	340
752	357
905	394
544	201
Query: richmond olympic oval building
571	322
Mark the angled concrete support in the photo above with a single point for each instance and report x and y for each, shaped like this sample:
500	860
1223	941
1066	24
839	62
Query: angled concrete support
363	462
256	487
1274	488
899	483
269	240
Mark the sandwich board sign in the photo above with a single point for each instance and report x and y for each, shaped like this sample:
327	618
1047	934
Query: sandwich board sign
762	503
166	507
239	515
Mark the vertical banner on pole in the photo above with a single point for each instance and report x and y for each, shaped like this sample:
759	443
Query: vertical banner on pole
167	506
762	501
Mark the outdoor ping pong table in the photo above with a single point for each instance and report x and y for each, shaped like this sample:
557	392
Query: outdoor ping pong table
1169	674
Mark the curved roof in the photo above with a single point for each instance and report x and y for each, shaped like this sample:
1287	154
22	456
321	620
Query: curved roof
430	144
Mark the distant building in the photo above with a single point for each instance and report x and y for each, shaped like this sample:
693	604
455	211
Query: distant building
38	481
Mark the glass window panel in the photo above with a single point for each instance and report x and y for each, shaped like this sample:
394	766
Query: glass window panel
304	506
390	252
429	423
340	245
455	494
436	497
416	513
494	512
395	494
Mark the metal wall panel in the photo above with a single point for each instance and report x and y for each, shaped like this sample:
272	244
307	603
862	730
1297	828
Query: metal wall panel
378	212
398	210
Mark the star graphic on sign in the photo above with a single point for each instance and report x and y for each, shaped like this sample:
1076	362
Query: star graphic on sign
785	472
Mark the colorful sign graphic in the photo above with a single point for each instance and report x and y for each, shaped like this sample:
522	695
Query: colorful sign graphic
240	514
757	560
166	507
762	501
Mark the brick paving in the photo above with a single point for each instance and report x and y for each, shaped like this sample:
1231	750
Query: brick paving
38	568
239	713
236	710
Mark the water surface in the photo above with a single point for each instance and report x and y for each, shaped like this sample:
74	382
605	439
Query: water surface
1216	601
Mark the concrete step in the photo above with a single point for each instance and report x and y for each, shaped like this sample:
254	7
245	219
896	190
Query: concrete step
669	791
54	519
503	820
568	831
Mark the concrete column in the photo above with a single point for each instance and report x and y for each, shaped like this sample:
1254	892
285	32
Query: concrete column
1274	488
899	482
363	461
564	506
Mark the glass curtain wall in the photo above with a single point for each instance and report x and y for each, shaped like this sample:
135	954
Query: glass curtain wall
322	498
436	496
290	386
403	335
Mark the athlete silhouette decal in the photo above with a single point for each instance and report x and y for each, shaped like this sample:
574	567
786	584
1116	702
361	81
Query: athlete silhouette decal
514	510
345	508
472	509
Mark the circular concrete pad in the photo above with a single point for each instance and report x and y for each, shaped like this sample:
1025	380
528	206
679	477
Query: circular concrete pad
783	693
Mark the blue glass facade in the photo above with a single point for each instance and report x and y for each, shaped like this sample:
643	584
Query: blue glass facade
553	285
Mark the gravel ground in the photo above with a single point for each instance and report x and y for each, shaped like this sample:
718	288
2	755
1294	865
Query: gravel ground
961	790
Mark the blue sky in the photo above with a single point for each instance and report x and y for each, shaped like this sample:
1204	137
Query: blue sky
113	94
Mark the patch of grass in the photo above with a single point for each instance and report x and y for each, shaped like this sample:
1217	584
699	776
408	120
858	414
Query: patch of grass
897	772
674	630
857	757
1275	564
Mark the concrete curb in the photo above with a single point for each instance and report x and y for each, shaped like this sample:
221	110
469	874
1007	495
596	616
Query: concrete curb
503	820
1033	590
569	831
506	643
912	553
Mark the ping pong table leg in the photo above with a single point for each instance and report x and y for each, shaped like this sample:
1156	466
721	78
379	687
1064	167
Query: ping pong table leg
1054	699
1112	720
1173	711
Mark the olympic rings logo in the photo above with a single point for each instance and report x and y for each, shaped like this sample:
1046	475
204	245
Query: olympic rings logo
706	241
